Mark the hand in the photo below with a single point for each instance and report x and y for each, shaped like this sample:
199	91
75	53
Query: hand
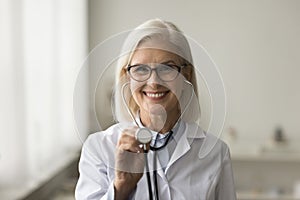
129	165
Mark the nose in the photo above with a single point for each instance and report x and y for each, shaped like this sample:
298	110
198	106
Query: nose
154	79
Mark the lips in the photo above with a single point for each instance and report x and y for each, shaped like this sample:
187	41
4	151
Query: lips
155	95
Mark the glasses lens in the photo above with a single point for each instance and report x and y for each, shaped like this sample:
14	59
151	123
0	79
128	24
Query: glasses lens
140	72
143	72
167	72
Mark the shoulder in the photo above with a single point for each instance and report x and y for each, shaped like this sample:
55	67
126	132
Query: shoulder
214	147
212	138
210	144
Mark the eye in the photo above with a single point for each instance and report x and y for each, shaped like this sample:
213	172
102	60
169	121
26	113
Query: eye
163	68
141	69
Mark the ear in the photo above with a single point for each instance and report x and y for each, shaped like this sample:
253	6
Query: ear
125	74
187	72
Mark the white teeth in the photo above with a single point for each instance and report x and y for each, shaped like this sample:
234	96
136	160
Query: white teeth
155	95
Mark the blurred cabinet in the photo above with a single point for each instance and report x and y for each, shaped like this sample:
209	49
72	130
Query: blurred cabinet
266	175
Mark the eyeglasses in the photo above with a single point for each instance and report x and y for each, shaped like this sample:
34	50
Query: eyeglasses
165	72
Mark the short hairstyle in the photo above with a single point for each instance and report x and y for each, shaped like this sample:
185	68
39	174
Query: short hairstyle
162	35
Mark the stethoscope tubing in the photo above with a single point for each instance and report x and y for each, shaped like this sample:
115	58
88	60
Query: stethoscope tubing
149	177
148	174
155	177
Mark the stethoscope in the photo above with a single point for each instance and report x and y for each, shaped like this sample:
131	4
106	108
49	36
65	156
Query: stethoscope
144	136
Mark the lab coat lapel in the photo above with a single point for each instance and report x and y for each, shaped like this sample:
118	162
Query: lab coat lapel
160	171
181	148
158	167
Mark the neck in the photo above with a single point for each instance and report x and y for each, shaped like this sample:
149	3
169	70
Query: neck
162	123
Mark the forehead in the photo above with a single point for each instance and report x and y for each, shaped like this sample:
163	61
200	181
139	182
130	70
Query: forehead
152	55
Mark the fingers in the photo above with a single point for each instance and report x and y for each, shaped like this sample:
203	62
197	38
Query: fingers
128	142
129	153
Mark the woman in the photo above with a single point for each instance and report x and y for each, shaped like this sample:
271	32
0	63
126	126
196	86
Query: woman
156	90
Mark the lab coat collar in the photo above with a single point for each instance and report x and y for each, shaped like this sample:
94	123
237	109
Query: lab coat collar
184	135
193	130
188	132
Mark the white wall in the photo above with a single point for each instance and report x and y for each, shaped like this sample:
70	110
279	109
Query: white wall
255	44
43	44
12	147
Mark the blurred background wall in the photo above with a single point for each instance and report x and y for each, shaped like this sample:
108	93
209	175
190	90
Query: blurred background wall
43	44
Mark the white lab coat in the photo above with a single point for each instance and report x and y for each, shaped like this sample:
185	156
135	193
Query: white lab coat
199	168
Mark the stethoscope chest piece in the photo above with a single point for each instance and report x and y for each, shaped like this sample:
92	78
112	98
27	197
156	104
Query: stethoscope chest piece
143	135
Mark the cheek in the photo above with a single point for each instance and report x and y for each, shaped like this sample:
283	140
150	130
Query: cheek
135	88
176	88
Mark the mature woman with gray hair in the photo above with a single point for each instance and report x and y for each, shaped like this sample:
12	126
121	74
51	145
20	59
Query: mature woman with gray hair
152	152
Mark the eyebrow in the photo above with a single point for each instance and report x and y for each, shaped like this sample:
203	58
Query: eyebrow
169	61
165	62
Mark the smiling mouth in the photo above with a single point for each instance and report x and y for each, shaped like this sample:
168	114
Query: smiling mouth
155	95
